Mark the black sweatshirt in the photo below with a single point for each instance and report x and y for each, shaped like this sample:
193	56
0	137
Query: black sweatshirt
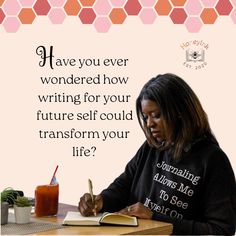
196	194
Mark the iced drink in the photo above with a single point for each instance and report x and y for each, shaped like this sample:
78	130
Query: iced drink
46	200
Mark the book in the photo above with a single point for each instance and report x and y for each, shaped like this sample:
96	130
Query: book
75	218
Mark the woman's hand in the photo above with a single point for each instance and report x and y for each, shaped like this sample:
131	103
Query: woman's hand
87	208
137	209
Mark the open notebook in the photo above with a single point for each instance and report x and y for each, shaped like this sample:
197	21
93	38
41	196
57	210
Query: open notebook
75	218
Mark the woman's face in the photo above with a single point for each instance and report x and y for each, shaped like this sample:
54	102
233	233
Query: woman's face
152	116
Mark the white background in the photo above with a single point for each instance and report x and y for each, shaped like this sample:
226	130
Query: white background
27	161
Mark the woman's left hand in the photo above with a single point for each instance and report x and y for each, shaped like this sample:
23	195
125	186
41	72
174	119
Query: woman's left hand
137	209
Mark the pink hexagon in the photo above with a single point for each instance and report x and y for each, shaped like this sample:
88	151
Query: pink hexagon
102	7
11	7
148	3
132	7
224	7
42	7
56	3
193	7
209	3
11	24
148	15
26	3
233	16
102	24
193	24
234	2
2	15
117	3
57	15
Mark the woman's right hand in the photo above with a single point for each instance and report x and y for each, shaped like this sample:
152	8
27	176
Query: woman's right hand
87	208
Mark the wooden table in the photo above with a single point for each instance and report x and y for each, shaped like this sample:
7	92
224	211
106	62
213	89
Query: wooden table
145	226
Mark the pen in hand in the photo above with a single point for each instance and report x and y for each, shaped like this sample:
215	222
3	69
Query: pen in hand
91	193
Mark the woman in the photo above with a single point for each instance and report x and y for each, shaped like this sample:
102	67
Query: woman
179	175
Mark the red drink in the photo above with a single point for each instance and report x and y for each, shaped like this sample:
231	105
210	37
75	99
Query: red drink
46	200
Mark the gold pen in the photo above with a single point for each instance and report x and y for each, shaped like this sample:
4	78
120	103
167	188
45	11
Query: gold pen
90	184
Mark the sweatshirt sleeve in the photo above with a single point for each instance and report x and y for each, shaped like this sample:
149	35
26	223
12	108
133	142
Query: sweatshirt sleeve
116	196
219	202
